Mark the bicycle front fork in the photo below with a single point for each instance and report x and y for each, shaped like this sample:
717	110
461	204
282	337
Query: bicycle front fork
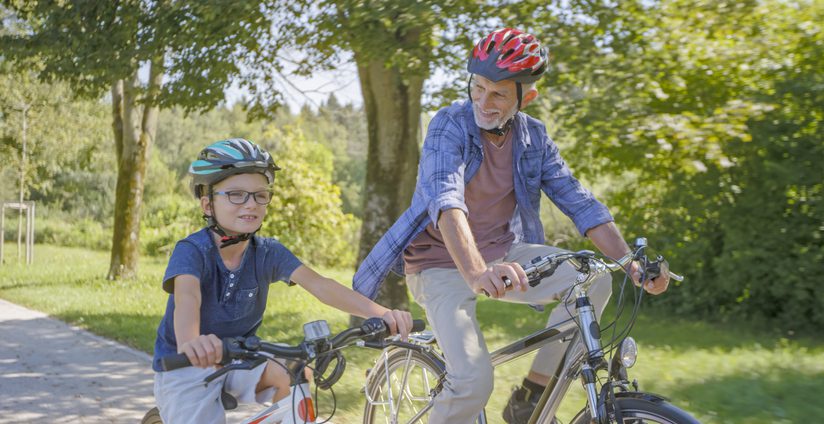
591	335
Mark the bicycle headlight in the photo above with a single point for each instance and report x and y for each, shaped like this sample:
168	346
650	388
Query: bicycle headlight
628	352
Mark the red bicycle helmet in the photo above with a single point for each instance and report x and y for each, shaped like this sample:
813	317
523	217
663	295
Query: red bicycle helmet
508	54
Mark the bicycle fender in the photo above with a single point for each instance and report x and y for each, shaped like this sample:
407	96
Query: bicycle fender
649	397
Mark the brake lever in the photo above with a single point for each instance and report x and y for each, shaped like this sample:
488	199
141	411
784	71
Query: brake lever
544	274
244	365
653	270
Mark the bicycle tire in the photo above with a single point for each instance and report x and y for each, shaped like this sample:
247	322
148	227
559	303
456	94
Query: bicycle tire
638	411
423	377
152	417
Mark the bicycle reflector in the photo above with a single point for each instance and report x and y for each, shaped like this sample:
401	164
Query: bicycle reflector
628	352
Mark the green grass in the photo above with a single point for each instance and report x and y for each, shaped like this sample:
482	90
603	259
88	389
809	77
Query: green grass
720	373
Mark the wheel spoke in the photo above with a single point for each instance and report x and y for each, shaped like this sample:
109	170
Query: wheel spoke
403	394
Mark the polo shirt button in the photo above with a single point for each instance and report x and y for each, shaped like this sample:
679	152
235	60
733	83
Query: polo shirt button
228	294
231	275
231	284
250	294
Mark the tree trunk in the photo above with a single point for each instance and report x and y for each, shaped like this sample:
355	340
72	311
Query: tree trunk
134	134
392	103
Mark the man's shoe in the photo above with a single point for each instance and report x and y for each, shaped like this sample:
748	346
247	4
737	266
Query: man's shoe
520	406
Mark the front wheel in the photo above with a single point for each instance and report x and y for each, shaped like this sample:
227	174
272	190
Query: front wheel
643	411
401	387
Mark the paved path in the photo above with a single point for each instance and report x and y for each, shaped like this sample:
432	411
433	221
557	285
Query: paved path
52	372
56	373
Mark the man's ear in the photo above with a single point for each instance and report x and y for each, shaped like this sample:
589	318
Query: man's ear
205	205
529	96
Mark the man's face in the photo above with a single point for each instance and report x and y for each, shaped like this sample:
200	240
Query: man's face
493	103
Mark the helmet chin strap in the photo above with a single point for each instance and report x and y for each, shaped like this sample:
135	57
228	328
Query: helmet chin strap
225	239
503	128
500	131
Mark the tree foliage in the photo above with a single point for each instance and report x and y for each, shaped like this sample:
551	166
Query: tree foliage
75	197
706	118
700	123
191	50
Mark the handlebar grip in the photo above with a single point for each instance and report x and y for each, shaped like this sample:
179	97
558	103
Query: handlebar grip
418	325
507	284
173	362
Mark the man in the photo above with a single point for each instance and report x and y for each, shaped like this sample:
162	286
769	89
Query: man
474	217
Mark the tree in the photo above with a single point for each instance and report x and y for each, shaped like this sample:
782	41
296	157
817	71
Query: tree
46	138
190	50
395	46
706	119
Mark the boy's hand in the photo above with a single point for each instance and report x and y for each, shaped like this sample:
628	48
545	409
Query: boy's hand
398	322
204	351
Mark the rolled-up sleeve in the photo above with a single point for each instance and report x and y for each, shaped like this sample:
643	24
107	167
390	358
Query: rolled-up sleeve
442	167
569	195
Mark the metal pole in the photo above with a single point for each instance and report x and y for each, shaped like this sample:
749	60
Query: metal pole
31	232
28	233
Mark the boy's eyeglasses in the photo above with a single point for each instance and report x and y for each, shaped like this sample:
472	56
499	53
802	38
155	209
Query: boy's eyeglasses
240	197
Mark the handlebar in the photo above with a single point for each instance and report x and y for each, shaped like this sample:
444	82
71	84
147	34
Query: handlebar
249	348
544	266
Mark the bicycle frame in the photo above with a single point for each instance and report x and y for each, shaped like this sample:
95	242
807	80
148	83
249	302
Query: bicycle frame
318	347
295	408
571	366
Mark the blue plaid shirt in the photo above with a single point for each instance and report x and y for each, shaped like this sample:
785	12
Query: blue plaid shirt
452	154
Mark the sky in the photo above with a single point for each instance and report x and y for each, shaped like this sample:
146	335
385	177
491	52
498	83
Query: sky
343	83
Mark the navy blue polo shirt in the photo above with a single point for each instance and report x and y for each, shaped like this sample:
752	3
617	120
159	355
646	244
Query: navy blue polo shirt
232	301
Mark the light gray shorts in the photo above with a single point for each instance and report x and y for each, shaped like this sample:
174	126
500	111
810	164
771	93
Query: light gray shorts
182	397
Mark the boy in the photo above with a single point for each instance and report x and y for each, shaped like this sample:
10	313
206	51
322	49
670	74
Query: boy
219	278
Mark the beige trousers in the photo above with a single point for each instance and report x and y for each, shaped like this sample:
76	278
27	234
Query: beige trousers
450	309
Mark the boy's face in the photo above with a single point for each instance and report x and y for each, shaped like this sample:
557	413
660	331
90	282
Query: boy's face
243	218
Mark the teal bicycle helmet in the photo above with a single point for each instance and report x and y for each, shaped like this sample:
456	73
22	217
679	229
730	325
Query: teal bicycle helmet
225	158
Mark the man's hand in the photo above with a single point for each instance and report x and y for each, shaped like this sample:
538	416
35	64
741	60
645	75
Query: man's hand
491	280
204	351
398	322
657	285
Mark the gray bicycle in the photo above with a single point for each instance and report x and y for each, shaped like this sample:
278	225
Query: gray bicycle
407	376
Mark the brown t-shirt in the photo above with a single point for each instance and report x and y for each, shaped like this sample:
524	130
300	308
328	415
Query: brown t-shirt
490	200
